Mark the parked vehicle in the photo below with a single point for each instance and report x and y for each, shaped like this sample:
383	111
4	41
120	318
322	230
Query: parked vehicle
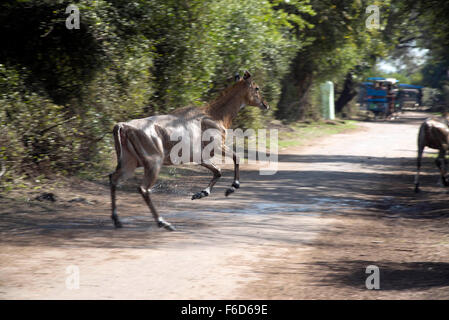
409	96
379	95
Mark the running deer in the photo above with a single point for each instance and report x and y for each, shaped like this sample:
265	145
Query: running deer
148	142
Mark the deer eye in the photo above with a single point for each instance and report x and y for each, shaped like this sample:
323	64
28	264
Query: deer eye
257	88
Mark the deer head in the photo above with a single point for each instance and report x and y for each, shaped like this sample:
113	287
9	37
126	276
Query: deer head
252	94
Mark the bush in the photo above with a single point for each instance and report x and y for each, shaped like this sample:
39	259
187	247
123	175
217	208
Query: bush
127	60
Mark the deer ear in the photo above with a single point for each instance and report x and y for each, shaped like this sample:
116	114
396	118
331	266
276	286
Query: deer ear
247	75
237	77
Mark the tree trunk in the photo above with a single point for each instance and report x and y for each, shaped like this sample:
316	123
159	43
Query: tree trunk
294	100
348	93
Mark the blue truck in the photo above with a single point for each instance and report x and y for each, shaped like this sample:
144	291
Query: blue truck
385	96
379	95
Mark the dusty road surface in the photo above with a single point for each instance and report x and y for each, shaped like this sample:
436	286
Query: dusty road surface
335	206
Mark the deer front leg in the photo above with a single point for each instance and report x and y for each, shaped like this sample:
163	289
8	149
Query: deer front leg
236	183
217	174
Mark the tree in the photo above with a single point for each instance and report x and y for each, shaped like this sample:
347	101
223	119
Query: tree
62	90
337	45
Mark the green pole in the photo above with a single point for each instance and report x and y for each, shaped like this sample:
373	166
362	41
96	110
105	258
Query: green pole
327	100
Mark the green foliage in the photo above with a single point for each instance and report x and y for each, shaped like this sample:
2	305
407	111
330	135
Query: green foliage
338	43
34	130
127	60
59	102
62	90
209	41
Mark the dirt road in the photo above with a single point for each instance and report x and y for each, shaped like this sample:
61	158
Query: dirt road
334	207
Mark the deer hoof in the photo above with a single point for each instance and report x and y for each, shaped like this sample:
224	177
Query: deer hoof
229	191
169	227
117	223
200	194
162	223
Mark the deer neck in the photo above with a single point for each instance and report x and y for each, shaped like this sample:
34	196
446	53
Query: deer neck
226	108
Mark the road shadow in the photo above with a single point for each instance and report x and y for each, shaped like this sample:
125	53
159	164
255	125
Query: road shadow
393	275
415	117
368	195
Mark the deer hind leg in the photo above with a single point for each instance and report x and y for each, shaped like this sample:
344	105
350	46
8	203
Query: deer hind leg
125	169
217	174
152	165
441	164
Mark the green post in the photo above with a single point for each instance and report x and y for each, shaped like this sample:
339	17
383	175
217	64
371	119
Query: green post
327	100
